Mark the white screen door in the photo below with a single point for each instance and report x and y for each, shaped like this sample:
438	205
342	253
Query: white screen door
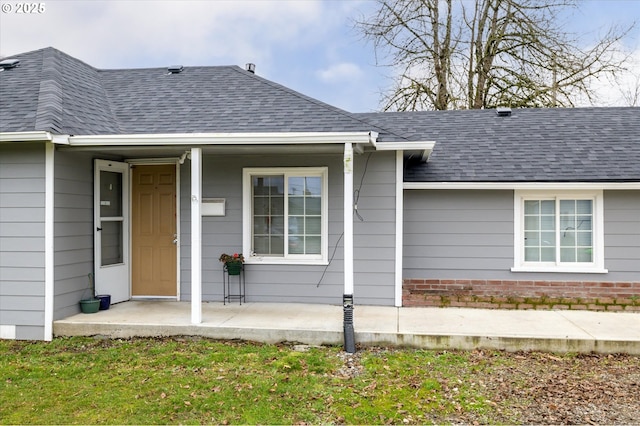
111	218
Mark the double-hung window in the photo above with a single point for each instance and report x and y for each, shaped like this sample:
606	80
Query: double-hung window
559	232
285	215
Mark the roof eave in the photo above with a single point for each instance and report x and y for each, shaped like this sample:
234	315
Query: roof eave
188	139
422	148
524	185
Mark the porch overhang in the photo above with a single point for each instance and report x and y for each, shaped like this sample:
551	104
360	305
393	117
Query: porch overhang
34	136
421	150
193	139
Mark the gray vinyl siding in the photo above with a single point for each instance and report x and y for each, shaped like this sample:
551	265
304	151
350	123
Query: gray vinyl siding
469	235
373	241
73	230
22	215
622	235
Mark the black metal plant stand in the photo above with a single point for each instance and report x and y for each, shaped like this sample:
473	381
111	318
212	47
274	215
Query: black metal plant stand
227	280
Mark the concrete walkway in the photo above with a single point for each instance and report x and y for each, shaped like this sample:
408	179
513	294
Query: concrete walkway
429	328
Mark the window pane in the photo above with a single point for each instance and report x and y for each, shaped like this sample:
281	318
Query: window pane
548	239
584	223
268	214
313	206
313	226
548	254
296	205
568	239
531	239
296	245
531	207
584	207
584	239
110	194
585	255
277	245
313	186
312	245
548	207
532	254
567	207
567	255
296	186
548	223
111	247
531	223
305	209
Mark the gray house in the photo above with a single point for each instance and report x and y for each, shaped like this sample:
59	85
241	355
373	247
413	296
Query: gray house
142	178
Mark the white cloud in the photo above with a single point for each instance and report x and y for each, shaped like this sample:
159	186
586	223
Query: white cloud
340	73
109	34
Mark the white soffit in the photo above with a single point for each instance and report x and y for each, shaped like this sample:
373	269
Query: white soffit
424	147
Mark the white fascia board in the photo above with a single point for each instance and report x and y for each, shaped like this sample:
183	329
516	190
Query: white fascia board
25	136
524	185
190	139
425	146
35	136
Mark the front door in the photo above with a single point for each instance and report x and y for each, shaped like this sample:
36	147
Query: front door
154	231
111	220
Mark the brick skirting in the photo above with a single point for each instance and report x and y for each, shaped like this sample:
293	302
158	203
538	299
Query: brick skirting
497	294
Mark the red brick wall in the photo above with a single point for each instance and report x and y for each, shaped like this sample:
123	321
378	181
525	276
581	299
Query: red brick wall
585	295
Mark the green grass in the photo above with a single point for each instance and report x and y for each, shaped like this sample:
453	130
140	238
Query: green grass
195	381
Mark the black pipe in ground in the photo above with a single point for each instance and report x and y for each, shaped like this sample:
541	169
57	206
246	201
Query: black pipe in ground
349	335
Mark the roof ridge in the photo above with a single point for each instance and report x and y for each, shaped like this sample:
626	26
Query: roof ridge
49	107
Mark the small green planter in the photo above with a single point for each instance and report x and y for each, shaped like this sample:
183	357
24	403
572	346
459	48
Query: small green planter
90	306
234	268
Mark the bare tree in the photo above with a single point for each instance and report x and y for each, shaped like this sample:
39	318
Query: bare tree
455	54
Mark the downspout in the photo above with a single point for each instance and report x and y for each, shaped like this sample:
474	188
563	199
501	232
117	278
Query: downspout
347	298
196	236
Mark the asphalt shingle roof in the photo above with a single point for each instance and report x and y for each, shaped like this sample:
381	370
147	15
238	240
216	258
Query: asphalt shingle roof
75	98
52	91
532	145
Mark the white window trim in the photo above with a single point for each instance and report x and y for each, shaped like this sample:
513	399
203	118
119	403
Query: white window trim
595	267
247	219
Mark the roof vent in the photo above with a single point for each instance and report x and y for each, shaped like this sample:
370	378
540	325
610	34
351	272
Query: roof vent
9	63
503	112
251	68
175	69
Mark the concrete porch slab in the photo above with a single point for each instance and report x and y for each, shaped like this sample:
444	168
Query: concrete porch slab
429	328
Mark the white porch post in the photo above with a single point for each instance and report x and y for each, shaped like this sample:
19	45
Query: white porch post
347	297
196	236
348	219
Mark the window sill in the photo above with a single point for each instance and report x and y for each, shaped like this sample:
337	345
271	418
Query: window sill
272	261
560	269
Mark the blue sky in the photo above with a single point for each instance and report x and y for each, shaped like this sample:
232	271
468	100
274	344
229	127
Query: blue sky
307	45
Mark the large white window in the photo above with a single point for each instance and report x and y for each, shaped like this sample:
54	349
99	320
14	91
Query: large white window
285	215
559	232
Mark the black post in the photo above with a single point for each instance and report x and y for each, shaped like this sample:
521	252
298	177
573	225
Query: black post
349	336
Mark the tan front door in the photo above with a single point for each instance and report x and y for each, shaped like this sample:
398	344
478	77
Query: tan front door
153	231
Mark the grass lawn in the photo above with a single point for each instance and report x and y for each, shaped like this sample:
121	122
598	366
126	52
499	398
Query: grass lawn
196	381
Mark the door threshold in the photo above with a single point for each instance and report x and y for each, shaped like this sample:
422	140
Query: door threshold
154	298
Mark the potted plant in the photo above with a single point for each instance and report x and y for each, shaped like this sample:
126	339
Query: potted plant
232	262
91	305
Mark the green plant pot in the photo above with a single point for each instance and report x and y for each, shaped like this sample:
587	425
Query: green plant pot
233	268
90	306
